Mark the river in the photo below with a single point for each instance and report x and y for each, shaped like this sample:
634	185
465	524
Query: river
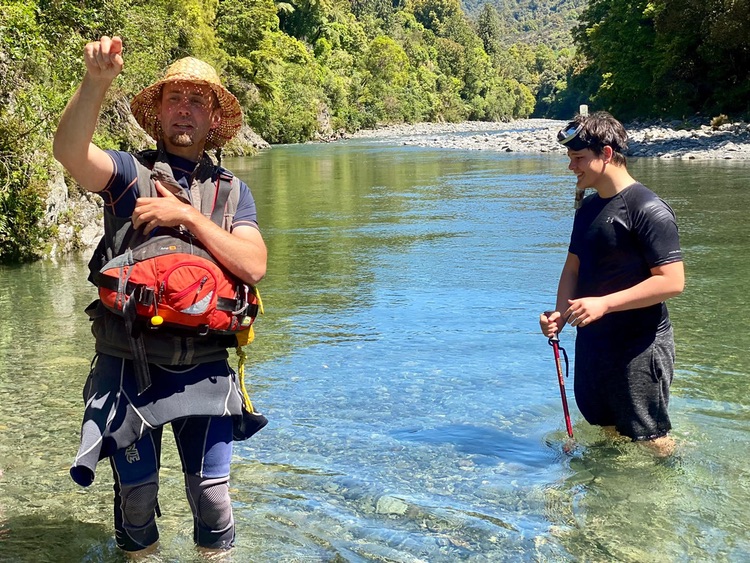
414	409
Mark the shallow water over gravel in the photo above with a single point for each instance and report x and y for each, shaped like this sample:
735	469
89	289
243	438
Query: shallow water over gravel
413	405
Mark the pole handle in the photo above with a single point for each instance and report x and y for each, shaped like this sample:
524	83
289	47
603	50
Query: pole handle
554	337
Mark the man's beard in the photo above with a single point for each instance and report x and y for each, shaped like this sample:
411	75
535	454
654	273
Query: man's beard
182	140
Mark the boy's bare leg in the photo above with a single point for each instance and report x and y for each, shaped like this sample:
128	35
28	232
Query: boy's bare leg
661	447
142	553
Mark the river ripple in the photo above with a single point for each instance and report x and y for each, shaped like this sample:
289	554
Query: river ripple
413	404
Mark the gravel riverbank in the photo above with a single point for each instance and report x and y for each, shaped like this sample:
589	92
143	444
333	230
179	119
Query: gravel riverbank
693	141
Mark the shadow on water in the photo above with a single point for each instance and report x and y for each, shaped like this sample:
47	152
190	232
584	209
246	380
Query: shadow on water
39	538
488	445
414	411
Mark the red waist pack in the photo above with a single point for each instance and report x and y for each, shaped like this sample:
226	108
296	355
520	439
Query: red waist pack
171	282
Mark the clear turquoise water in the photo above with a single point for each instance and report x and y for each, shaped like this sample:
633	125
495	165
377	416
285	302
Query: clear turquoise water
414	407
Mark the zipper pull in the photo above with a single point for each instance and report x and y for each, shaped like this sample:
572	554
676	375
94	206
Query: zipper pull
203	282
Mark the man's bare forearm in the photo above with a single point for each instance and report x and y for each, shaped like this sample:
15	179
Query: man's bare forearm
566	288
244	255
72	147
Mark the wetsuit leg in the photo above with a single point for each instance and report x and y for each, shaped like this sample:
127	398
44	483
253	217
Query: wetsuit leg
205	446
136	475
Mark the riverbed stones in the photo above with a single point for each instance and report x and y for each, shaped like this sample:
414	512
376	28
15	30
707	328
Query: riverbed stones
666	140
391	506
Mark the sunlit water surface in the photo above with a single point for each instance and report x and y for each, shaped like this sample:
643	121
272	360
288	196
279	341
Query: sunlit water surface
414	408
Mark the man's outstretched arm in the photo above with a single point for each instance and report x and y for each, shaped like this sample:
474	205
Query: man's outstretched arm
552	322
90	166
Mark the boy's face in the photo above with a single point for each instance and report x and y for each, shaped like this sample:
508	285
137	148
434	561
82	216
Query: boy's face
588	167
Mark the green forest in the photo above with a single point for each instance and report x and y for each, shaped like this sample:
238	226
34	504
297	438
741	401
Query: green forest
310	69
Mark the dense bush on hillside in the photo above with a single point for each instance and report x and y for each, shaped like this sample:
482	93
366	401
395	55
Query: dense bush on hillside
532	22
666	57
301	69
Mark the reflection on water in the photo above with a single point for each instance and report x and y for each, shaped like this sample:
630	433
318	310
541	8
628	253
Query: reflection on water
414	410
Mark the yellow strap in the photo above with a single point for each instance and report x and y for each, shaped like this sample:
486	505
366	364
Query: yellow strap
249	336
245	337
241	374
260	301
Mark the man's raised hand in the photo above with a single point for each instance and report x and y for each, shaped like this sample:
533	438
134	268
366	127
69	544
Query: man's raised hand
103	58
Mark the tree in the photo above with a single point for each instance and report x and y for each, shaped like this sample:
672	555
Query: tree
490	29
386	76
618	39
668	57
434	14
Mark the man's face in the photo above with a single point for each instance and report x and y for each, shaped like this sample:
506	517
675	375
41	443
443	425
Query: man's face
587	166
188	112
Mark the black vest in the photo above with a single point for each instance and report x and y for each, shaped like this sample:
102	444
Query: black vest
119	235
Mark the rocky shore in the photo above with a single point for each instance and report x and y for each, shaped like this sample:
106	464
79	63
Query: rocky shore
681	140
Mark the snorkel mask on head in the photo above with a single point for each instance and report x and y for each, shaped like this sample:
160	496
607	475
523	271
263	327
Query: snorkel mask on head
569	137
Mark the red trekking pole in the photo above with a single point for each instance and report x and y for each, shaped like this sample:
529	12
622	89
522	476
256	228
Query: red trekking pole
554	341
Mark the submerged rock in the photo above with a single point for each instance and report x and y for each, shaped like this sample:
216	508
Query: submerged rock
391	506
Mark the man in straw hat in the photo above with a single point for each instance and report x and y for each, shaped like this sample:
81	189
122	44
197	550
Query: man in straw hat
191	383
624	261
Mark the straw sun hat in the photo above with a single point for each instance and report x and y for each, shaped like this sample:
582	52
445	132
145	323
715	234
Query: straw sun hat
192	70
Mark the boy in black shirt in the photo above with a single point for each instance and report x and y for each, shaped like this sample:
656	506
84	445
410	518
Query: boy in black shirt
623	262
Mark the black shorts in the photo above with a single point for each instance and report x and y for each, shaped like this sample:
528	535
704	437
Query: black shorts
626	385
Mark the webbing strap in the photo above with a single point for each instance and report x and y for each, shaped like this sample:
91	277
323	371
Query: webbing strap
237	306
241	376
223	189
565	356
137	347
